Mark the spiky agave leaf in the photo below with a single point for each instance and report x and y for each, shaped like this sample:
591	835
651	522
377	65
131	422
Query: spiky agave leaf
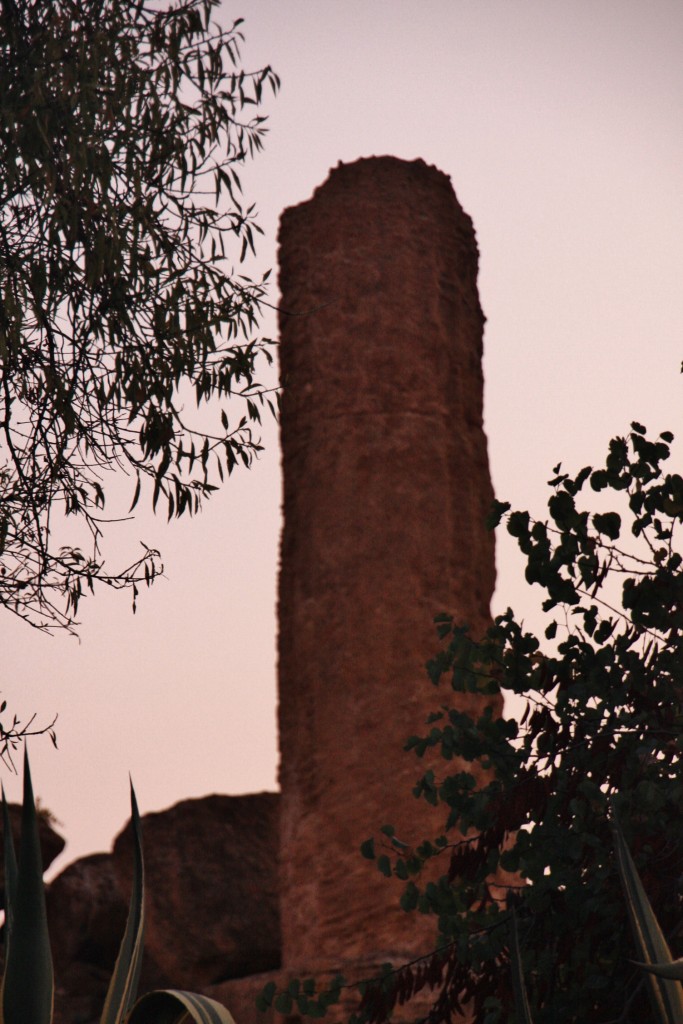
27	991
124	981
673	970
10	871
171	1006
10	887
521	998
666	993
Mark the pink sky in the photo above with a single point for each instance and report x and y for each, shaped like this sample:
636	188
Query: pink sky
559	124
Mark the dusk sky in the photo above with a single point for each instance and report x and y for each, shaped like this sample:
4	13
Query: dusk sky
559	123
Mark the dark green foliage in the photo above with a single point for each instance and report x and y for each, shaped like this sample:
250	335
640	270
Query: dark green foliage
602	722
301	997
122	124
599	735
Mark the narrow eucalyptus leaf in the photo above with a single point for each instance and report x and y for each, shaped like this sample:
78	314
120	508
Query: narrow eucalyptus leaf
113	113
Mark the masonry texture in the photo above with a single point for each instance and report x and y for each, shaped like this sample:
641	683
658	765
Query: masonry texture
386	489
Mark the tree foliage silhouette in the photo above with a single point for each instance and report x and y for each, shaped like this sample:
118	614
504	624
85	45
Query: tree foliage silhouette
600	733
122	125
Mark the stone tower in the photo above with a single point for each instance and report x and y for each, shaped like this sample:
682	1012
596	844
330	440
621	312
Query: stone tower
386	489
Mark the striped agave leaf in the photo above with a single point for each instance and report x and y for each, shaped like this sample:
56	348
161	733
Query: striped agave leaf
10	871
10	887
27	984
666	992
518	985
170	1006
124	981
665	973
673	970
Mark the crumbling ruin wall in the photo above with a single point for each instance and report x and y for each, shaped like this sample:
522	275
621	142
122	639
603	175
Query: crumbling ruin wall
386	489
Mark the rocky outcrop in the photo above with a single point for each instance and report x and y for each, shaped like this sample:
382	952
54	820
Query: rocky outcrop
212	896
86	913
211	903
51	843
86	917
386	490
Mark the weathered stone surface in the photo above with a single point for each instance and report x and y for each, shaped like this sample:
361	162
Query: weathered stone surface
86	917
86	913
240	995
212	908
211	879
386	489
51	843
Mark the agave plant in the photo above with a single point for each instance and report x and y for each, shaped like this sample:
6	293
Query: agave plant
664	973
27	985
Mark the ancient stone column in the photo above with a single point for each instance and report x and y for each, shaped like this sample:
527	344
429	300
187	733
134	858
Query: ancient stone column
386	489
